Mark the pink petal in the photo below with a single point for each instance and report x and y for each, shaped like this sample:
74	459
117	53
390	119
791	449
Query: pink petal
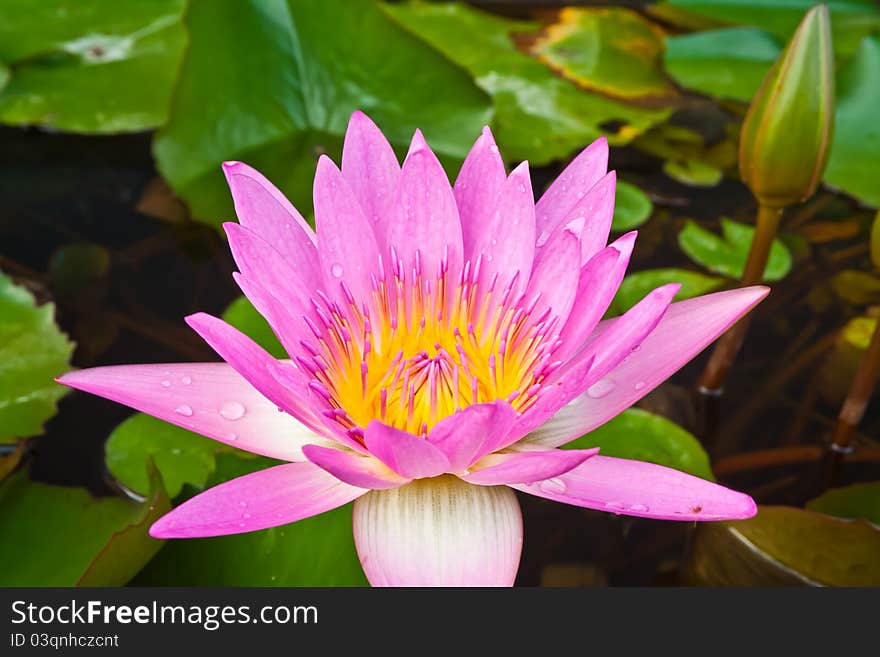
370	167
439	532
267	498
555	276
288	328
685	330
477	187
597	285
408	455
209	398
346	241
520	467
361	471
504	243
578	178
423	227
635	488
253	363
267	212
596	210
472	432
629	331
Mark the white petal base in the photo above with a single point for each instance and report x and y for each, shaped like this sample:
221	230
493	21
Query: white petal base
439	532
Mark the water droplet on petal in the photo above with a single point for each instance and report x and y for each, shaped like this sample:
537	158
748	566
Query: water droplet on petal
245	515
554	486
336	270
166	383
186	380
615	506
242	503
232	410
184	410
600	389
640	385
638	508
232	436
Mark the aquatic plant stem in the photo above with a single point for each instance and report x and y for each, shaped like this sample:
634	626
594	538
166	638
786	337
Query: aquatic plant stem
711	383
854	406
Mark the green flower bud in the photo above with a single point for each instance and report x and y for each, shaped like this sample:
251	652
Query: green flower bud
786	136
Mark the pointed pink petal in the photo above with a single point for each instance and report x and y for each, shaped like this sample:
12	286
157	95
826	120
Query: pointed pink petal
267	212
635	488
370	167
555	276
253	363
439	532
505	240
597	285
209	398
629	331
477	187
288	328
361	471
267	498
596	209
577	179
346	242
685	330
408	455
521	467
423	227
472	432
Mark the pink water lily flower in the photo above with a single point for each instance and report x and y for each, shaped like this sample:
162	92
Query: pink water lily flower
444	341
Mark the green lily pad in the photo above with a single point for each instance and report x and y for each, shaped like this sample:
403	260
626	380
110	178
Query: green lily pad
611	50
284	93
857	287
243	316
32	352
855	151
784	546
638	284
60	536
317	551
643	436
727	255
93	67
727	63
692	172
538	116
851	20
855	501
632	207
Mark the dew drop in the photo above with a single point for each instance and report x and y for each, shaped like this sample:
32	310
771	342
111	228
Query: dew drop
493	148
232	410
553	486
186	380
600	389
615	506
184	410
166	383
175	451
336	270
640	385
242	504
245	515
232	436
638	508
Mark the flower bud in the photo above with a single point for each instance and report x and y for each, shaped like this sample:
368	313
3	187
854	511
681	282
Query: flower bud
786	136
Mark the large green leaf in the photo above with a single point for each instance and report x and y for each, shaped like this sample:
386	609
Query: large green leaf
317	551
851	20
32	352
538	116
635	286
60	536
728	63
855	152
785	546
856	501
728	254
643	436
273	83
632	207
96	67
613	50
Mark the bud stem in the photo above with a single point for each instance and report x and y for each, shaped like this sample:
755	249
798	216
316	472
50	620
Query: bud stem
723	355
